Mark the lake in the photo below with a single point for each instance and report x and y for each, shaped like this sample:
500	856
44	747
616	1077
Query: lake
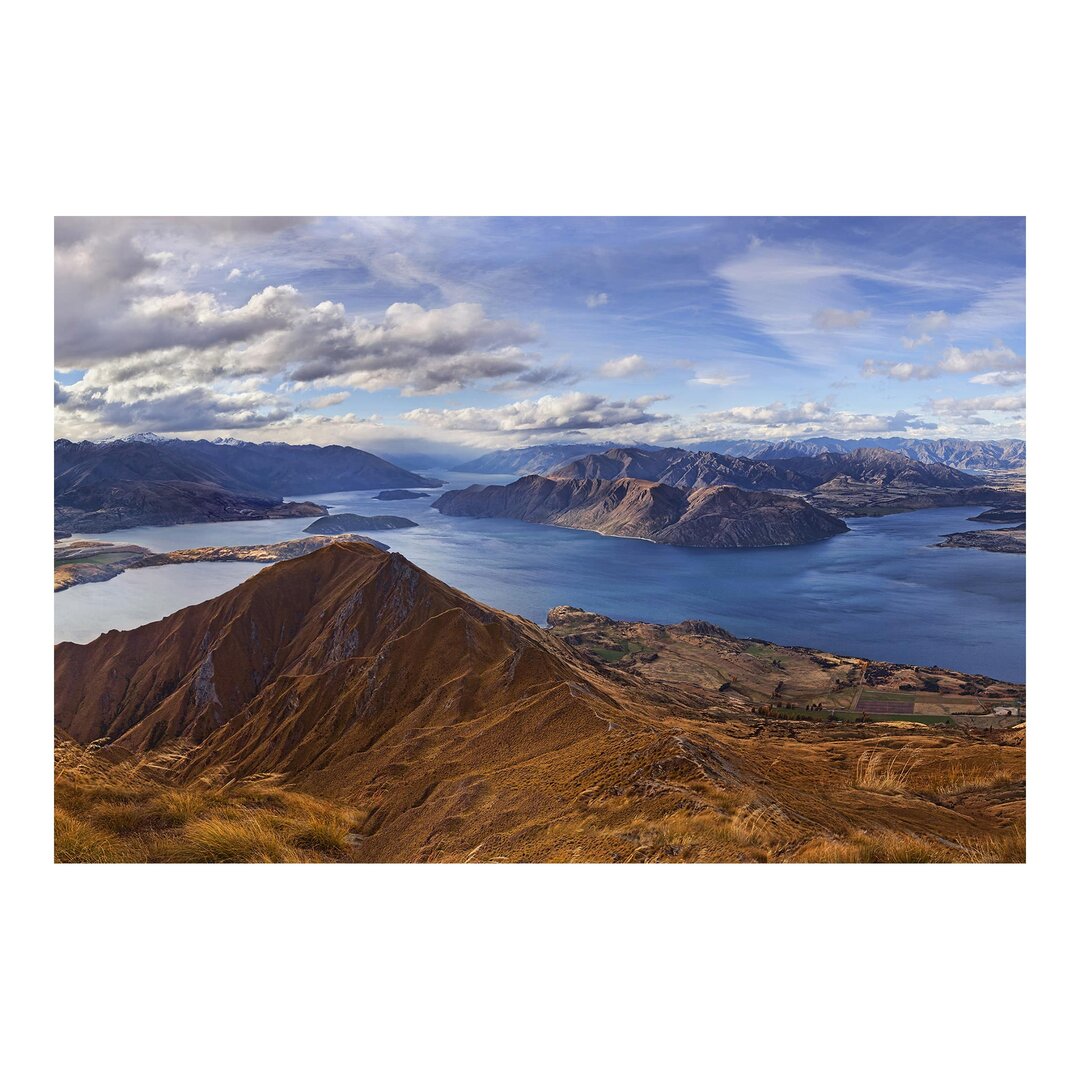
880	591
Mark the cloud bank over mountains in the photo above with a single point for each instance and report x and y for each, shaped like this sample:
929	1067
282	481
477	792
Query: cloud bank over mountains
403	332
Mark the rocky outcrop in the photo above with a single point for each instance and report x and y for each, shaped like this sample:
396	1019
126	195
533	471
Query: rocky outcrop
713	517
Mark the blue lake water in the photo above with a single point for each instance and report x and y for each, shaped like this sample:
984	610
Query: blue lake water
880	591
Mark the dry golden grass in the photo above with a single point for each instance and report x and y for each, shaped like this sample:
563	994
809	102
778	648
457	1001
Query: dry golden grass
911	772
887	773
135	810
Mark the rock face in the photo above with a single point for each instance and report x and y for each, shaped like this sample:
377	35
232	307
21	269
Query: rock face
712	517
154	481
336	524
395	495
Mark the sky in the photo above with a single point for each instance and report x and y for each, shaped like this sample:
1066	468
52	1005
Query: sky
460	335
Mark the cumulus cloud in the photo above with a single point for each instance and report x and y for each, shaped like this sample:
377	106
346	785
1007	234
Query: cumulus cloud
418	350
623	367
902	370
837	319
186	409
775	414
917	342
130	323
999	358
1001	364
999	378
807	418
1008	403
595	300
564	413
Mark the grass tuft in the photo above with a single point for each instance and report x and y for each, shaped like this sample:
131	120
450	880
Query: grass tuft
112	808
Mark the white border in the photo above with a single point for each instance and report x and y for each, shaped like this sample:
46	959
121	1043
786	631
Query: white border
469	108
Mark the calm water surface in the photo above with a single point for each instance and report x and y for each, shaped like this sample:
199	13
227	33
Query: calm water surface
879	591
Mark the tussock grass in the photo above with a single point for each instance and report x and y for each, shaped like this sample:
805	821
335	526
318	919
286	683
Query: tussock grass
963	780
111	808
878	771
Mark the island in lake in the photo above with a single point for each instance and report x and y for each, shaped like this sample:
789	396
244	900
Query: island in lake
336	524
397	495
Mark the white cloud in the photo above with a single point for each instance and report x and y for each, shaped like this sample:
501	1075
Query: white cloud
623	367
718	378
837	319
999	378
595	300
565	413
916	343
780	421
190	408
1010	403
933	322
327	400
999	358
900	370
774	414
1002	364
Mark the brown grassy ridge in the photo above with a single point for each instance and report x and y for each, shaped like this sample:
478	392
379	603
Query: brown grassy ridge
133	809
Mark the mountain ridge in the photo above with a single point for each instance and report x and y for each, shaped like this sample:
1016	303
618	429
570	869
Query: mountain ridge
140	480
451	731
970	454
712	517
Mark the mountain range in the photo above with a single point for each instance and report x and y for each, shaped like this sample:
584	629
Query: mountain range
150	480
709	517
972	455
535	460
694	469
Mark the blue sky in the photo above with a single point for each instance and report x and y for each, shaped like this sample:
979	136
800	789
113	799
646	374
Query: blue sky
405	334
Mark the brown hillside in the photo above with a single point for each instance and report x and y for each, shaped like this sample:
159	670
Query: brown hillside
448	730
709	517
